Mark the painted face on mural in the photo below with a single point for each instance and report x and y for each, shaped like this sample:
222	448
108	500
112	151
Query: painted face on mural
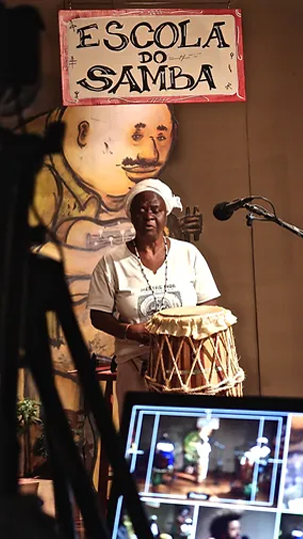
113	147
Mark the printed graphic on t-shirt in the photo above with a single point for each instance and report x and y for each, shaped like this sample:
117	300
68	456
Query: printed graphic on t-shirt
149	304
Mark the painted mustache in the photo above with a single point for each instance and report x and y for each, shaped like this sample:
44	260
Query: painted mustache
140	163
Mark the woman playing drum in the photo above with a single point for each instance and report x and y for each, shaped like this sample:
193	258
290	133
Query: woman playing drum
144	276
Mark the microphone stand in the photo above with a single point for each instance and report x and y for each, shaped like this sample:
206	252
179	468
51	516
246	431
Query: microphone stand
269	216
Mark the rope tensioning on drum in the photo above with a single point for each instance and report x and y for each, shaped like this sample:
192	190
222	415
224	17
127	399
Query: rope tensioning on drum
207	389
175	361
175	370
231	383
227	383
214	359
228	343
159	362
234	365
197	359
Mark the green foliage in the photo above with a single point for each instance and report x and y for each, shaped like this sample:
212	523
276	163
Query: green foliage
28	414
40	446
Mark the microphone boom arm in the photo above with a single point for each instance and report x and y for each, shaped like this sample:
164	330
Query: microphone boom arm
268	216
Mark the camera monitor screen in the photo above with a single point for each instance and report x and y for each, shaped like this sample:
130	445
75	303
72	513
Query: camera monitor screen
214	468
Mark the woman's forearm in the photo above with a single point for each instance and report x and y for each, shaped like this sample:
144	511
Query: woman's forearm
109	324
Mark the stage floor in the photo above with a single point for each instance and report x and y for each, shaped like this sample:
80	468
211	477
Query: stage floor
182	484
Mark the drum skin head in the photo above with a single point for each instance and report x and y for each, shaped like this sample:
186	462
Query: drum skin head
185	312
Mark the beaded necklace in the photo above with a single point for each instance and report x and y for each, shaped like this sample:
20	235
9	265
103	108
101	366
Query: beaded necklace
158	305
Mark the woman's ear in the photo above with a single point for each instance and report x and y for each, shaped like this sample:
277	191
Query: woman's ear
83	129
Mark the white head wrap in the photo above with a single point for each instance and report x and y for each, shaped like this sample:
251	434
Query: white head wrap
156	186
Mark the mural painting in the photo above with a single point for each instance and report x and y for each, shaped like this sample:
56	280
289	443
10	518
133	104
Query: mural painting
80	194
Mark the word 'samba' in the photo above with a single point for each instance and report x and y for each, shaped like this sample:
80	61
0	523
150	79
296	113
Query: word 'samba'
100	78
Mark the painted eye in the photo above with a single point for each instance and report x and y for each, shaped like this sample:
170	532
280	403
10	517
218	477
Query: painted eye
136	137
161	138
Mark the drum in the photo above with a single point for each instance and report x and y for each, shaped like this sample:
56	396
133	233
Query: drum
193	351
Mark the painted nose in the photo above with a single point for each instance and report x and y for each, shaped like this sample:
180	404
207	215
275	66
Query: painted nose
149	151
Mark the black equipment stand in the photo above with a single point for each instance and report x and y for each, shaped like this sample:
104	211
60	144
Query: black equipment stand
30	286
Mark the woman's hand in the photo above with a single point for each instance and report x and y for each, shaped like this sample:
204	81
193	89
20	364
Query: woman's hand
109	324
139	333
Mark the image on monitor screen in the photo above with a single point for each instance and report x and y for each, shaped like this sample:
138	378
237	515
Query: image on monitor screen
215	473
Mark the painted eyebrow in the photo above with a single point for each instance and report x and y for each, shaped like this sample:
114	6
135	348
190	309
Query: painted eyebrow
160	127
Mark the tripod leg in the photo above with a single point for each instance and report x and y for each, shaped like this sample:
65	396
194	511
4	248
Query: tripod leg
9	448
40	363
20	158
95	400
12	292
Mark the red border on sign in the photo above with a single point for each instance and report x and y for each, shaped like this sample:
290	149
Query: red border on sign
65	16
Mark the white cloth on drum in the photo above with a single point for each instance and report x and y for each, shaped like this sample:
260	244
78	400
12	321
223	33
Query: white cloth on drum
198	322
156	186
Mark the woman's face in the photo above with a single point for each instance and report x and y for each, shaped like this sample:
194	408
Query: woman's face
148	215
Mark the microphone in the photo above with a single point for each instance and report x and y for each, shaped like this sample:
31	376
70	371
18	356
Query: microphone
224	210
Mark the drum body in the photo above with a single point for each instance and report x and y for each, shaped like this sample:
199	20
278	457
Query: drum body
193	351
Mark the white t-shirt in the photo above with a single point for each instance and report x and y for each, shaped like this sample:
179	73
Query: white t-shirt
119	287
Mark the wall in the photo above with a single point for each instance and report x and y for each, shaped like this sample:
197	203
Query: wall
241	149
254	149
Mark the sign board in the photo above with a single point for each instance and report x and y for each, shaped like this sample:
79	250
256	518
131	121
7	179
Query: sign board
151	56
